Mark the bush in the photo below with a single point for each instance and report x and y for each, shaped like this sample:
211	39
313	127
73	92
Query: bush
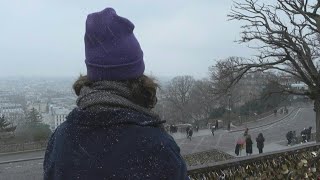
33	132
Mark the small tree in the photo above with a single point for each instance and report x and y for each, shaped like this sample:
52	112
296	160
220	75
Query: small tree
33	116
3	123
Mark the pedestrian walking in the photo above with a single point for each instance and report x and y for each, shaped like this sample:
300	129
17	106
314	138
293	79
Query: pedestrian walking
212	131
113	132
239	146
304	135
309	131
260	142
187	130
249	144
294	138
246	132
237	149
289	136
190	133
217	124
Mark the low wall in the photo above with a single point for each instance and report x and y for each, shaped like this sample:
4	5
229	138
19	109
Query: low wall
297	163
206	157
10	148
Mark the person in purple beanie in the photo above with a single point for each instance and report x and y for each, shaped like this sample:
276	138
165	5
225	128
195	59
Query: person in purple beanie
113	132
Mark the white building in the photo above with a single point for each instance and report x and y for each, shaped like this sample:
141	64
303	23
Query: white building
299	86
58	116
41	107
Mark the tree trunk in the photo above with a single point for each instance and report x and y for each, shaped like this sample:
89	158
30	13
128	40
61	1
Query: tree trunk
317	110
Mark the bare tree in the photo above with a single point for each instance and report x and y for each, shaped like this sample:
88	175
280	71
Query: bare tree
287	34
222	75
202	100
178	94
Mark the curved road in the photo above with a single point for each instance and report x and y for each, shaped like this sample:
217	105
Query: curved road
274	133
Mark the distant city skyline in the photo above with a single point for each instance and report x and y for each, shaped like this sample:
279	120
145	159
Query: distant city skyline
183	37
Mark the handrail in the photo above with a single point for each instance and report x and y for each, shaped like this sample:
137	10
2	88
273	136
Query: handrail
299	161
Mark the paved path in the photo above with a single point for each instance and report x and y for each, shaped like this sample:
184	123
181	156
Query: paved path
17	156
225	141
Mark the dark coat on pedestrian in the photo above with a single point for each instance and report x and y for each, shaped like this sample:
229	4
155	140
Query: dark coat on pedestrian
212	131
187	129
190	132
309	131
114	144
289	135
260	141
249	145
237	149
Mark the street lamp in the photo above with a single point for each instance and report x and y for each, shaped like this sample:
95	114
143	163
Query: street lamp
229	119
250	103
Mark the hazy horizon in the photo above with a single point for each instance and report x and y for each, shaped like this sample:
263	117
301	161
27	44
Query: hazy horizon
45	38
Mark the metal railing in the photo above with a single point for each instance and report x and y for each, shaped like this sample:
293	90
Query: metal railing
206	157
298	163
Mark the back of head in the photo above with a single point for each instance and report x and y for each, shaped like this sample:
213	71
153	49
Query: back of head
112	53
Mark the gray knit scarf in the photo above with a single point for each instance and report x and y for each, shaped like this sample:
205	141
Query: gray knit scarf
106	95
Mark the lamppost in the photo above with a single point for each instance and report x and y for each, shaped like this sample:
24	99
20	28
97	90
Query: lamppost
250	96
229	118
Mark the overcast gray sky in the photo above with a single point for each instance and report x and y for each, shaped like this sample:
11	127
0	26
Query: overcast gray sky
178	37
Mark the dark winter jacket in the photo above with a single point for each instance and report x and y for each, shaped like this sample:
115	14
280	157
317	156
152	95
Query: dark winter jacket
260	142
237	149
114	144
249	146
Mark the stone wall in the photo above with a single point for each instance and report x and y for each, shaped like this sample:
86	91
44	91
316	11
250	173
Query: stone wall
9	148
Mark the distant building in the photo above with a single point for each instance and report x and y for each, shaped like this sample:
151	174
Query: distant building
13	112
293	84
41	107
299	86
57	116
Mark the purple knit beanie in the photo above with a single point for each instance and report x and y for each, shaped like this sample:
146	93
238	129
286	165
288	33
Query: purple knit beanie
112	50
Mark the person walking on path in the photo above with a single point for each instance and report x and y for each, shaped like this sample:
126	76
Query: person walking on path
190	133
212	131
239	146
309	131
237	149
260	142
249	144
246	132
289	137
113	132
304	135
187	131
